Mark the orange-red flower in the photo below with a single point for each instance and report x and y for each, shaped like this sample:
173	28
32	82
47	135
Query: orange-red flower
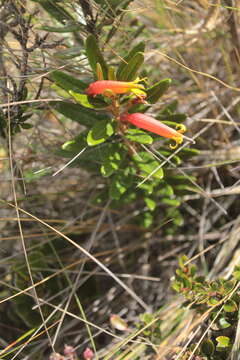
108	87
155	126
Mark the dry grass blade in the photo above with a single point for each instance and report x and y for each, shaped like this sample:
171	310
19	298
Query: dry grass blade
85	252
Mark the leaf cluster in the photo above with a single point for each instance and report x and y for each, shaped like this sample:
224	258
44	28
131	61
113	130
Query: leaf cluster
220	298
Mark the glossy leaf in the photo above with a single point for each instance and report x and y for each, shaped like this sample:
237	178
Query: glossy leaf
68	53
157	90
187	153
171	202
87	101
117	188
95	56
137	48
148	165
170	108
71	27
81	99
67	82
139	136
111	73
151	204
223	342
78	113
166	190
207	347
109	7
112	161
99	72
230	306
173	118
99	133
55	10
130	70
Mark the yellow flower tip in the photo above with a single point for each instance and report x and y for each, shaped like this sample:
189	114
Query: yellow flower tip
138	80
139	93
177	141
181	129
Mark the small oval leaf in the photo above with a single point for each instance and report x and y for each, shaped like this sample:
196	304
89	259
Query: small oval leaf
95	56
129	72
157	90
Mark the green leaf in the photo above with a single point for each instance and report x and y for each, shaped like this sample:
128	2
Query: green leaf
129	72
117	188
111	73
148	165
223	342
78	113
71	27
148	187
176	285
157	90
81	99
172	119
26	126
108	168
67	82
60	91
175	159
213	301
171	202
139	136
99	72
170	108
99	133
147	219
236	272
88	102
230	306
166	190
72	146
55	10
182	260
207	347
151	204
187	153
95	56
32	175
69	53
121	182
140	47
113	7
223	323
112	161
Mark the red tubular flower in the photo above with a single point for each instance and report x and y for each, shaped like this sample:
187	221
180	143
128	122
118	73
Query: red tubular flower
155	126
115	87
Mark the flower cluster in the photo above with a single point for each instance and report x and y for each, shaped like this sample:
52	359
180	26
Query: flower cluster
112	88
